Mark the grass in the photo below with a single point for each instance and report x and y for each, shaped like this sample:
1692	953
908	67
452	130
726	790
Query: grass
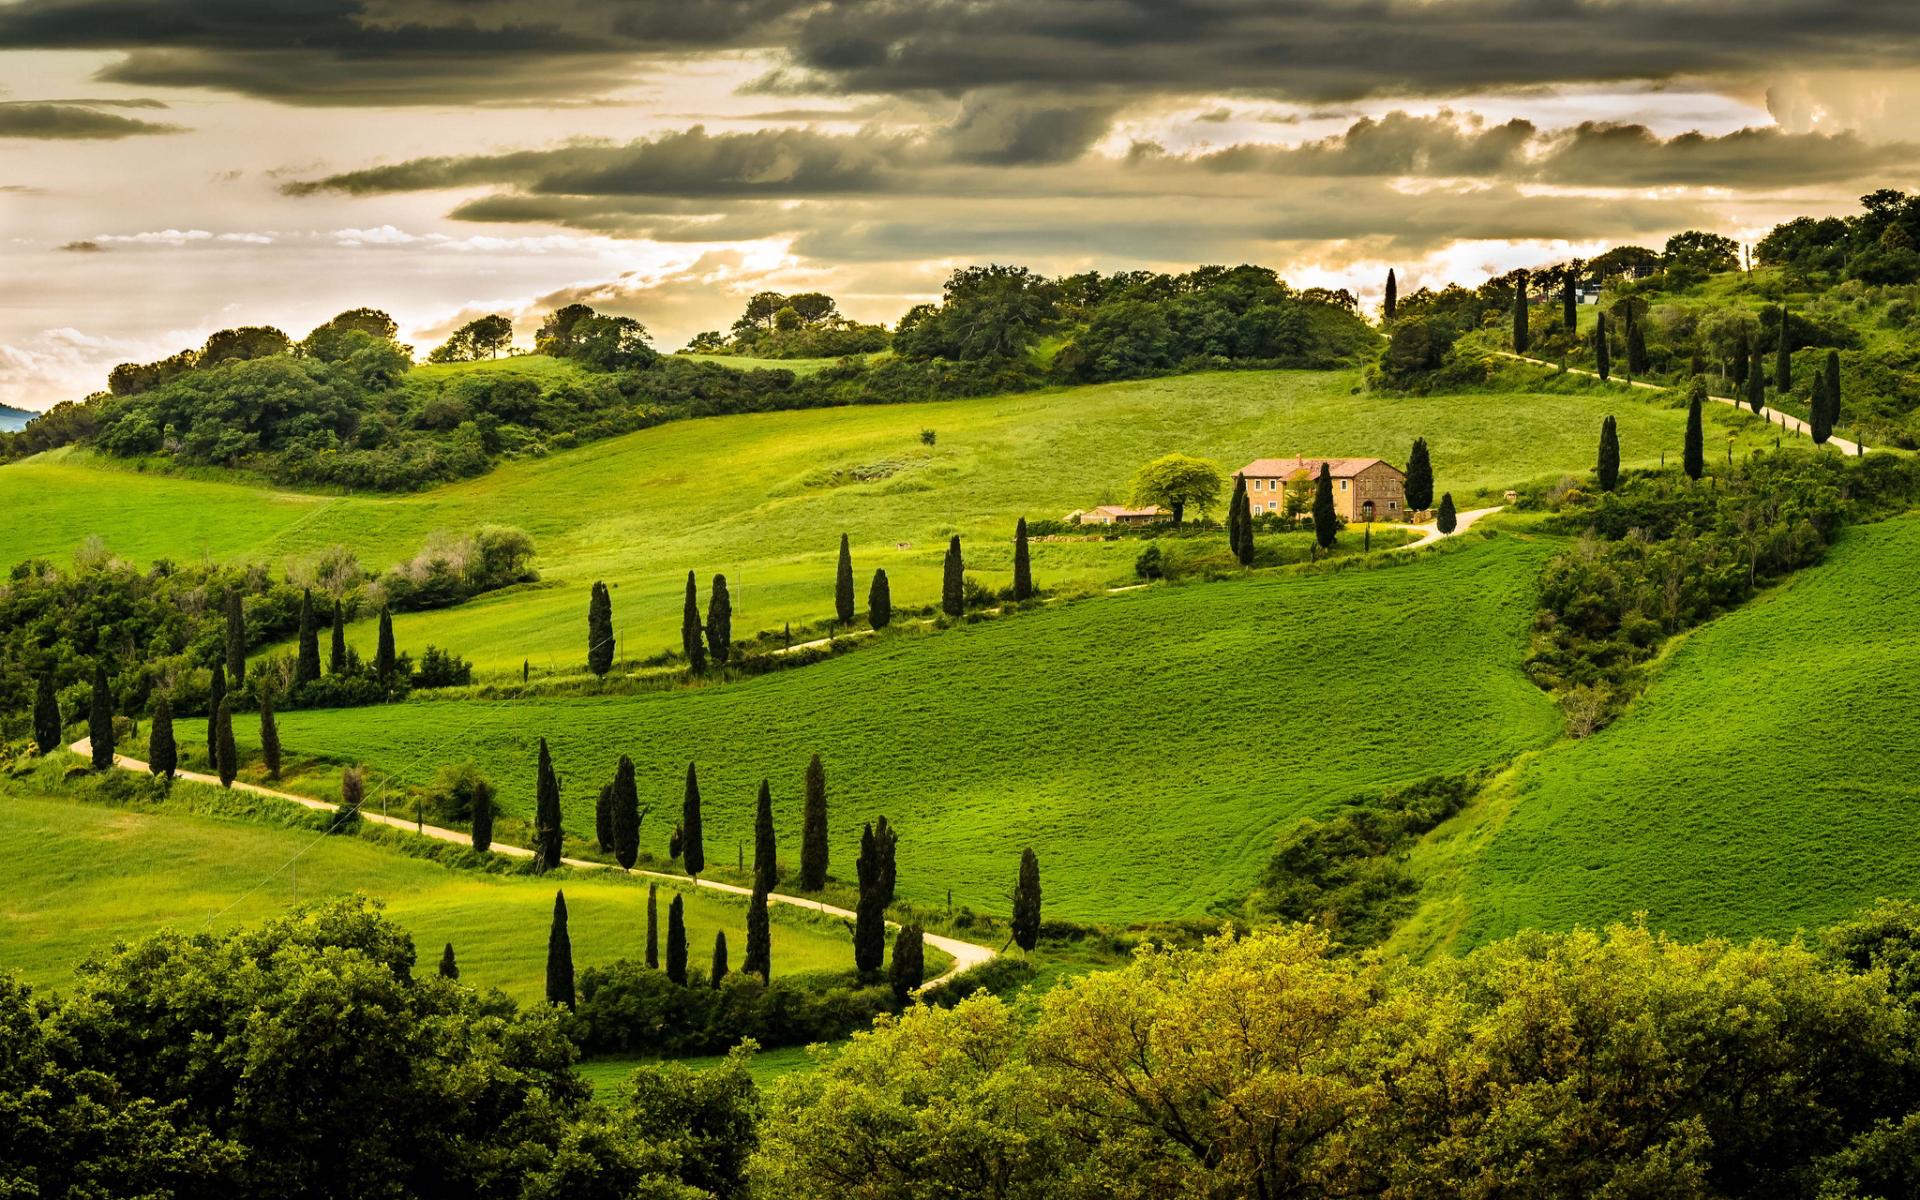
1764	783
1147	744
742	362
762	498
612	1077
85	875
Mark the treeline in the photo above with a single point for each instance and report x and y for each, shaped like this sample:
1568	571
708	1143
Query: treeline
803	325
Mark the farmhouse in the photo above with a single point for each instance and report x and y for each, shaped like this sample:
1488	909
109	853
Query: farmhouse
1114	514
1364	489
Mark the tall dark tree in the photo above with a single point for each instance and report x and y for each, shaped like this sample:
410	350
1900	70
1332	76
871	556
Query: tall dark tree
385	660
693	635
813	831
759	960
693	845
269	734
1602	352
953	596
163	756
843	584
1756	378
1606	468
1833	389
677	941
1022	564
603	818
306	667
46	715
1026	902
870	912
559	955
1446	520
547	835
449	967
720	622
909	969
1742	355
886	842
880	601
236	638
1637	361
337	648
1693	456
1419	485
718	971
100	720
1393	296
216	696
1237	519
653	926
766	866
482	821
1817	426
626	815
600	630
353	793
1521	340
1324	526
1243	552
1783	356
1569	297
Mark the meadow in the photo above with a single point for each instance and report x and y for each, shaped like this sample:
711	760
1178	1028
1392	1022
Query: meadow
1147	744
763	498
1766	782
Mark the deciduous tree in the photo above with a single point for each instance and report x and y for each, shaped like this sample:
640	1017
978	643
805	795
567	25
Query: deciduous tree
559	955
353	793
813	831
1177	482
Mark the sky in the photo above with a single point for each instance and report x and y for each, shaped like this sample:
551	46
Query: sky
173	167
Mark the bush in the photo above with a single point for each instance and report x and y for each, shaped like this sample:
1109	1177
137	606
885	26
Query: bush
626	1007
442	668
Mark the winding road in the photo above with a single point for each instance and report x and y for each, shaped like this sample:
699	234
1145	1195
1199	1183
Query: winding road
966	955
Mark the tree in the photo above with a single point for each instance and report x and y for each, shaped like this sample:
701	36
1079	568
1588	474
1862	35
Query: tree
1393	297
1324	520
1783	356
1693	457
1817	426
720	622
1833	389
163	757
385	660
547	834
100	719
759	936
226	757
1237	519
600	630
692	634
1606	469
1176	482
953	595
1244	509
693	847
909	969
337	650
482	338
1756	378
216	696
269	735
353	792
307	666
449	968
1700	253
886	842
1022	564
482	819
1602	352
46	715
677	942
1026	902
1419	484
236	639
879	601
1570	296
718	971
603	818
559	955
653	926
869	914
813	832
1446	520
843	584
626	815
1637	361
1520	339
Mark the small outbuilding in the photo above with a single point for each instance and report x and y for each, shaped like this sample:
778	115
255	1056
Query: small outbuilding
1114	514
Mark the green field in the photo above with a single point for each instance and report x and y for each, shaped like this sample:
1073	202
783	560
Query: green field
1147	744
1767	781
763	498
85	875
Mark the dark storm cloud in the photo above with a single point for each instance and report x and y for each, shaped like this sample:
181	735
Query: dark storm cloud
73	120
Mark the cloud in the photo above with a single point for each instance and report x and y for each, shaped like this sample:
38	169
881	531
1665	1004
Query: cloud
74	120
84	247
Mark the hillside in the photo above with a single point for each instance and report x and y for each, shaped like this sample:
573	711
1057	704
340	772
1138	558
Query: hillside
12	420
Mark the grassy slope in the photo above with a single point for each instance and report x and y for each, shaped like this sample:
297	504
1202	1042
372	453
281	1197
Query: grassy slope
1765	782
85	875
1147	744
740	495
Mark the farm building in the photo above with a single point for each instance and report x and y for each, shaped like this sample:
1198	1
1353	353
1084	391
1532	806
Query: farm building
1114	514
1364	489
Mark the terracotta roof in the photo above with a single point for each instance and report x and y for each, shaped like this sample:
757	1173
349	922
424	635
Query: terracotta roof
1287	468
1115	510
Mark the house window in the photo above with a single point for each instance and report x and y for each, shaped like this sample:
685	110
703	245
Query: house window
1391	506
1343	485
1256	485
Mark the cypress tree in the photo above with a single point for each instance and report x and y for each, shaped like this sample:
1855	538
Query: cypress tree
385	660
1637	361
720	622
693	846
353	791
1323	515
100	720
952	591
603	819
236	639
1817	425
759	959
482	816
1446	520
1393	296
46	715
559	955
163	757
813	834
693	641
1741	357
1783	356
1602	352
843	584
909	968
269	735
1233	514
677	942
1520	339
1569	298
546	813
886	840
718	971
870	914
653	926
1693	458
600	630
337	650
626	816
1244	551
880	601
1607	468
1026	902
1419	485
1022	564
306	667
449	969
766	867
216	696
1756	379
1833	389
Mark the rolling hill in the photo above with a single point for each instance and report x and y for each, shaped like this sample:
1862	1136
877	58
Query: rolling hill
13	420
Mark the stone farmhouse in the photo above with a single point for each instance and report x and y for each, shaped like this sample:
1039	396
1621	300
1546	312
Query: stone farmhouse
1364	489
1114	514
